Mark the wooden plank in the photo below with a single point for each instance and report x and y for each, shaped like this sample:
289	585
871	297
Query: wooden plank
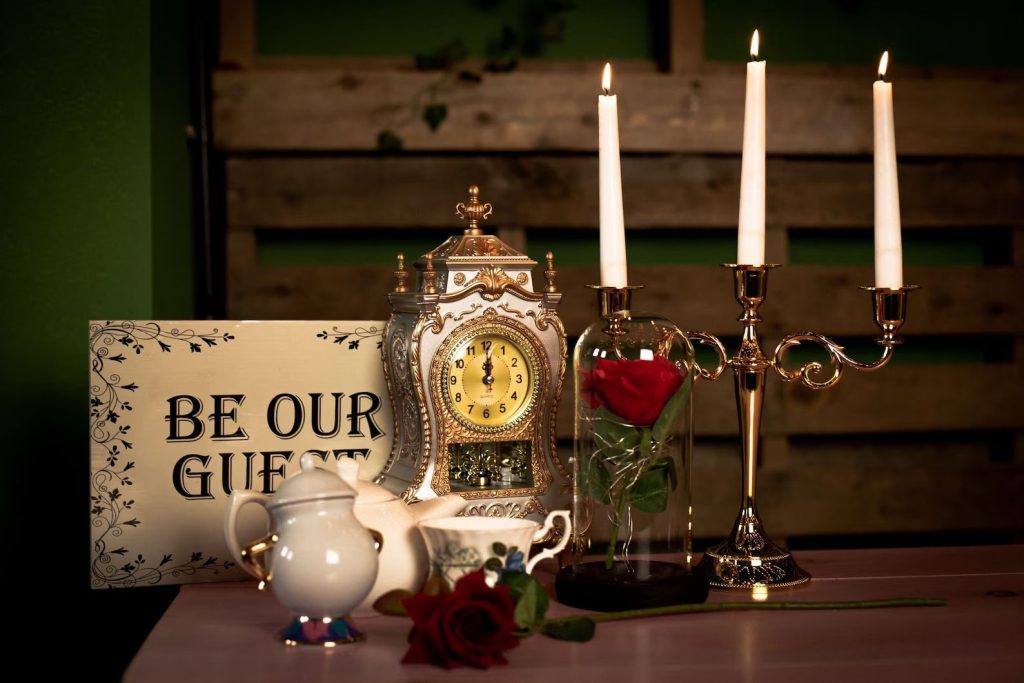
809	113
897	399
953	300
241	257
660	191
907	399
851	498
686	35
237	33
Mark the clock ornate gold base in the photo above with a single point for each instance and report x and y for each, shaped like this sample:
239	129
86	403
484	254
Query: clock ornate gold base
474	360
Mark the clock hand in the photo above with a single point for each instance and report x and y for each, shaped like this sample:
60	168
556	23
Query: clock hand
488	367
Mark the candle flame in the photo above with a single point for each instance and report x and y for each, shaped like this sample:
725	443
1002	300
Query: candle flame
883	64
755	42
606	78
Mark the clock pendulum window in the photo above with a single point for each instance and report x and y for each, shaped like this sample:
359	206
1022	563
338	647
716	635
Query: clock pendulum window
474	360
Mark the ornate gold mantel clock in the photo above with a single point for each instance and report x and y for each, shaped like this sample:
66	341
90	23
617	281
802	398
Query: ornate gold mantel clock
474	360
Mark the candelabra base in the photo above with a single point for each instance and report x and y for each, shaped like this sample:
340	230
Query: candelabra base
748	558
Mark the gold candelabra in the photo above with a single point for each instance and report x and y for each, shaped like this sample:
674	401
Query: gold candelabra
748	557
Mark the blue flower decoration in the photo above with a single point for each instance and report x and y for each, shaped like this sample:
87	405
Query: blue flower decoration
514	562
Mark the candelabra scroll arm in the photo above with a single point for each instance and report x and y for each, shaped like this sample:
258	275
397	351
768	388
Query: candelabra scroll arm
838	360
889	308
716	345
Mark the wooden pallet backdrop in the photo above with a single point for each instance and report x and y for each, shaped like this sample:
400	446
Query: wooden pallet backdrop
933	443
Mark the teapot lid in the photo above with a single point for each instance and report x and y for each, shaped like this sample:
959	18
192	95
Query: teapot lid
311	483
368	492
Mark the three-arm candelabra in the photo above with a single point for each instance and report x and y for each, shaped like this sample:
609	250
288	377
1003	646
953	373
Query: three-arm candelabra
748	557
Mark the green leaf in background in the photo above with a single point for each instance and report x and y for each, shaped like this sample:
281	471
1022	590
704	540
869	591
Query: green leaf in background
499	549
449	54
493	564
579	630
669	412
434	114
650	492
531	601
391	603
597	482
387	141
613	436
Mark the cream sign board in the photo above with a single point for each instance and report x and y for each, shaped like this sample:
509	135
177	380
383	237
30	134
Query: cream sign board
182	413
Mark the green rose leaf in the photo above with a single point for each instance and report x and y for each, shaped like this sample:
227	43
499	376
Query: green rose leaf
650	492
597	482
499	549
669	466
614	437
671	409
493	564
531	601
579	630
436	584
391	603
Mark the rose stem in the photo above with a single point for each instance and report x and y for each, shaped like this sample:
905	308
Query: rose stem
744	606
616	523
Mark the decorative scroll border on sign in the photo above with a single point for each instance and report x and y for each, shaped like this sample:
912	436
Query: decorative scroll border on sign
110	499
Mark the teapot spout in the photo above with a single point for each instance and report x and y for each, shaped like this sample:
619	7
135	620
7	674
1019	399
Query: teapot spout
442	506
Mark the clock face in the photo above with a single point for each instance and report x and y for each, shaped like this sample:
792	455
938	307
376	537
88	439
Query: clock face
490	379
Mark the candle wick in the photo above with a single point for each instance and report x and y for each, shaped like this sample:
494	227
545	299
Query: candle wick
605	90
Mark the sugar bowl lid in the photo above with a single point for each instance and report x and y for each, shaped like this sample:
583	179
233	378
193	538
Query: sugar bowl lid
311	483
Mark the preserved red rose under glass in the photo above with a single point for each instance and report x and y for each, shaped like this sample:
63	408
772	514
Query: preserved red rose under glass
633	443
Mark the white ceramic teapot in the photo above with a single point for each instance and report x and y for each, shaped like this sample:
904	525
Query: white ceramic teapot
403	558
321	561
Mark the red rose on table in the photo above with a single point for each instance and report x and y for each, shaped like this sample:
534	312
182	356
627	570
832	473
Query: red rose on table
471	625
635	390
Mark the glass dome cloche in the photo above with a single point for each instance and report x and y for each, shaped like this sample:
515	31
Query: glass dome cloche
632	450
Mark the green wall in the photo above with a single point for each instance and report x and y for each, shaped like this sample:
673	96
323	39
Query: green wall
919	32
95	194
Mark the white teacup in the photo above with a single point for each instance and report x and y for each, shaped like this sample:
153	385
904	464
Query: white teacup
459	545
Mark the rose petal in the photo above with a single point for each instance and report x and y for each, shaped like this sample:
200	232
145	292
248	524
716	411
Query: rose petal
421	606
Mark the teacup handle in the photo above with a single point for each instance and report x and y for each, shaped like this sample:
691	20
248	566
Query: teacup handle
543	531
238	500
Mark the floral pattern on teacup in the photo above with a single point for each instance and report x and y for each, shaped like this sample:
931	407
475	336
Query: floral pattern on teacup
453	562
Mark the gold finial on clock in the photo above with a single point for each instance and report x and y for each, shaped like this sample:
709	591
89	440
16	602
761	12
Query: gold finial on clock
550	274
430	277
401	275
474	211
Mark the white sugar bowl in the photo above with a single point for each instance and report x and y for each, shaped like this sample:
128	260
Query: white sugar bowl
318	559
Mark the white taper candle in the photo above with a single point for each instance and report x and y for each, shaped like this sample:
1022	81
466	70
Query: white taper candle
750	250
888	242
613	233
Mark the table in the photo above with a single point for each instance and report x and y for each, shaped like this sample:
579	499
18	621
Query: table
226	632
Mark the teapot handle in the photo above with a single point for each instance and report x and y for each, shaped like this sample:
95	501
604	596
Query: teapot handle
238	552
378	540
